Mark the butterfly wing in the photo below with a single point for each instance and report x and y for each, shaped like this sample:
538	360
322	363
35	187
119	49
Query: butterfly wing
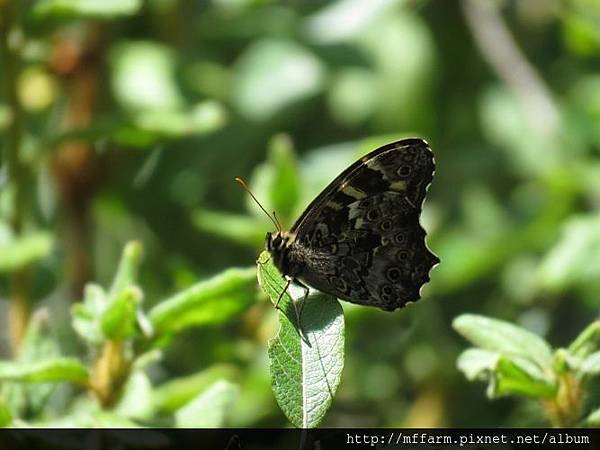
361	236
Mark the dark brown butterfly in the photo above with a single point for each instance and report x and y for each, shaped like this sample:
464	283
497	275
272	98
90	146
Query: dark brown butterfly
360	240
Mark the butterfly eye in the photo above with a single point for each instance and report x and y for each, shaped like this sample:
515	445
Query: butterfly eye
404	170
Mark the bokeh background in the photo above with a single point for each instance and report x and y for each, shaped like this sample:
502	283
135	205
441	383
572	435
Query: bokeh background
128	120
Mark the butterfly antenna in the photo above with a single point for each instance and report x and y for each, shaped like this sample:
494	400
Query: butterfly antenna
277	220
273	218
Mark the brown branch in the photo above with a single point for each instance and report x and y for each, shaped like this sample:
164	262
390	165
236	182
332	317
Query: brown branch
76	165
502	53
19	308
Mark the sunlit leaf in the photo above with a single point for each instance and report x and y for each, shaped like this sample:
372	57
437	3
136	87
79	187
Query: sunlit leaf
573	261
273	74
345	19
591	364
506	374
504	337
172	395
136	400
19	252
211	301
210	408
39	343
353	95
475	363
587	342
239	228
84	9
307	355
143	76
202	118
86	314
52	370
401	49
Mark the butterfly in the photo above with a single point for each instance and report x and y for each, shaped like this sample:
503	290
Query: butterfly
360	239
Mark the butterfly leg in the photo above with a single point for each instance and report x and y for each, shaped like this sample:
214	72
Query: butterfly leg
298	313
287	285
306	292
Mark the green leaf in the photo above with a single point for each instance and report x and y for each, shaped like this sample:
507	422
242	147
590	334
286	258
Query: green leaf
277	181
306	366
53	370
506	374
593	419
143	77
345	20
38	344
118	320
127	271
476	363
517	375
504	337
86	315
587	342
203	118
16	253
402	51
353	96
86	413
84	9
273	74
210	408
5	415
246	230
104	316
136	400
591	364
212	301
573	261
179	391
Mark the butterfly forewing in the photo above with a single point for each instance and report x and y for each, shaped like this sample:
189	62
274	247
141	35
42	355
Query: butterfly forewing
360	239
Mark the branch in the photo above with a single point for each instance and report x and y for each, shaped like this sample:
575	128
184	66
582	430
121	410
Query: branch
19	308
502	53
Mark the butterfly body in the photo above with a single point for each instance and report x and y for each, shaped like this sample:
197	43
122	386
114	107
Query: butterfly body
360	240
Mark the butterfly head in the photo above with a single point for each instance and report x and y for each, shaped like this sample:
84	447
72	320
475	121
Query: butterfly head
276	242
279	245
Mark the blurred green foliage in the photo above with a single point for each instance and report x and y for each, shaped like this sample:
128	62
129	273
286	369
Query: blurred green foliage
518	362
128	120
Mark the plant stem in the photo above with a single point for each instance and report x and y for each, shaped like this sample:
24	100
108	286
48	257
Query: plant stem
19	309
110	372
564	410
77	167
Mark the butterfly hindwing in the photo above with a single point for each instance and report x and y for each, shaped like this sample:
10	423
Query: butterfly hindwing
360	239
